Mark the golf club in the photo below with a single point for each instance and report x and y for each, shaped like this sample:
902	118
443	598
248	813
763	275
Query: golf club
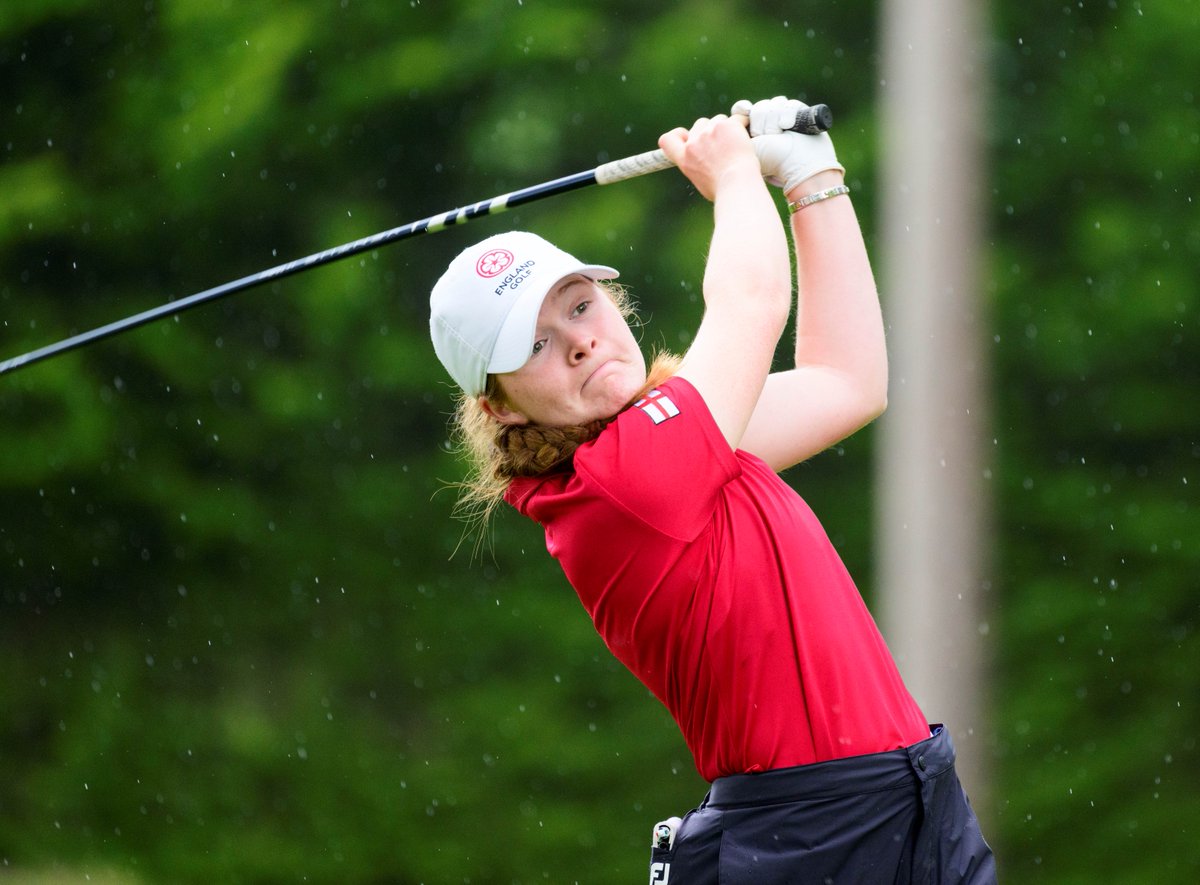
810	121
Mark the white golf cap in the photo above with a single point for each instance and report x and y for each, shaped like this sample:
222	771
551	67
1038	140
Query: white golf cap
484	309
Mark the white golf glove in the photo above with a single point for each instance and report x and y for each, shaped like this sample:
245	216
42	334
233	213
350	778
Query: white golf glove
786	158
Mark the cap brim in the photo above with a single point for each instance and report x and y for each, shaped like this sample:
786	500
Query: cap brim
514	344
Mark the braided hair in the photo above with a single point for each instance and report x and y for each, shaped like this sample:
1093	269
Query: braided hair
497	453
537	450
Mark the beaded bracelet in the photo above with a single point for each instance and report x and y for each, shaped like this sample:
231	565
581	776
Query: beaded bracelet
795	207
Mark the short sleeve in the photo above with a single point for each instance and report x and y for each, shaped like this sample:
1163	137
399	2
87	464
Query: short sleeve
664	461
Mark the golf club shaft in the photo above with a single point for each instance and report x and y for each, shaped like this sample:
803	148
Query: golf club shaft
817	119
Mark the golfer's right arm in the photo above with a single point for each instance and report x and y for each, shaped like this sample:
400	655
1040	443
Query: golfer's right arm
747	277
838	381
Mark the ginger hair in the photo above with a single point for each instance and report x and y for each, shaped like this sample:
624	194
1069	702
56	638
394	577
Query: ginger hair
496	453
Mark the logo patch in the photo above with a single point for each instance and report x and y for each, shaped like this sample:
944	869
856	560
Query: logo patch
515	276
493	263
658	406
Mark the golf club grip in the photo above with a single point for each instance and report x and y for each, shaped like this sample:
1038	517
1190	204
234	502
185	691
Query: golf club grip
813	120
809	121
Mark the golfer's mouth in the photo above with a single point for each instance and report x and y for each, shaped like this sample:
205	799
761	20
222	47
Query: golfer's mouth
596	371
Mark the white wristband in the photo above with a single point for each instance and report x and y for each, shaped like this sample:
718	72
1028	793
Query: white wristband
796	206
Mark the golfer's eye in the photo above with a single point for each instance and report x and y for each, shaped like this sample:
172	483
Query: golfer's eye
581	307
537	346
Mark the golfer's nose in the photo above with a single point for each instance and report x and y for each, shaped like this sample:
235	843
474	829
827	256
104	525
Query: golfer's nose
580	345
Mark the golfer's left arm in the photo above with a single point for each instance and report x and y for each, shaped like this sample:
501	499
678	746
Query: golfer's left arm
838	381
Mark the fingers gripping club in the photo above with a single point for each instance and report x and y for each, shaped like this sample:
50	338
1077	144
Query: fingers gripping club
809	121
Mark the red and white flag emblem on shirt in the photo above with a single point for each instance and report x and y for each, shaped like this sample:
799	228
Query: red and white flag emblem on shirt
658	406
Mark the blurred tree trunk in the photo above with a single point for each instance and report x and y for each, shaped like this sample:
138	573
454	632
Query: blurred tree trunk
933	504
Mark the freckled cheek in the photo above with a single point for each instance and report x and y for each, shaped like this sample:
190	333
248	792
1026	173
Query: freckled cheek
549	391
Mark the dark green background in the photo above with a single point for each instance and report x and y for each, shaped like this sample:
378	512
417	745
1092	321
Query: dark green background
233	642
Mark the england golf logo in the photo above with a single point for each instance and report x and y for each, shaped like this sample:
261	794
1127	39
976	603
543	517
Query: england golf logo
493	263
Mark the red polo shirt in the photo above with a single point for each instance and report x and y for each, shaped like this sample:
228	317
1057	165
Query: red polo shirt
713	582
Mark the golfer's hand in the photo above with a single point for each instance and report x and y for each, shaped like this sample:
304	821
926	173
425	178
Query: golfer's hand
713	153
786	158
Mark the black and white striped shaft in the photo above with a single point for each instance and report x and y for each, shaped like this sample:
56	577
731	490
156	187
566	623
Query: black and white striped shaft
817	120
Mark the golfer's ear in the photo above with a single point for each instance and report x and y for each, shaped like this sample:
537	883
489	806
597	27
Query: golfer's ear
501	412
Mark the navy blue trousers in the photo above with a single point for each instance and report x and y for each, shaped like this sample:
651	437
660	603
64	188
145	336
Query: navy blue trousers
895	817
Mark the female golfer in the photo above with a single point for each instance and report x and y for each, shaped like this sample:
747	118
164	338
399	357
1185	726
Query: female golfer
703	572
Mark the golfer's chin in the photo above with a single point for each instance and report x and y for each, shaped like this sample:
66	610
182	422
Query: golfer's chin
613	391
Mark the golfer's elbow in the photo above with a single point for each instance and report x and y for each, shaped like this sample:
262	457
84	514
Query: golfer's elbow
774	295
873	381
877	408
872	398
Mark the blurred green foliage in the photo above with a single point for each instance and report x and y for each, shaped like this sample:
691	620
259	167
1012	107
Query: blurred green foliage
235	643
